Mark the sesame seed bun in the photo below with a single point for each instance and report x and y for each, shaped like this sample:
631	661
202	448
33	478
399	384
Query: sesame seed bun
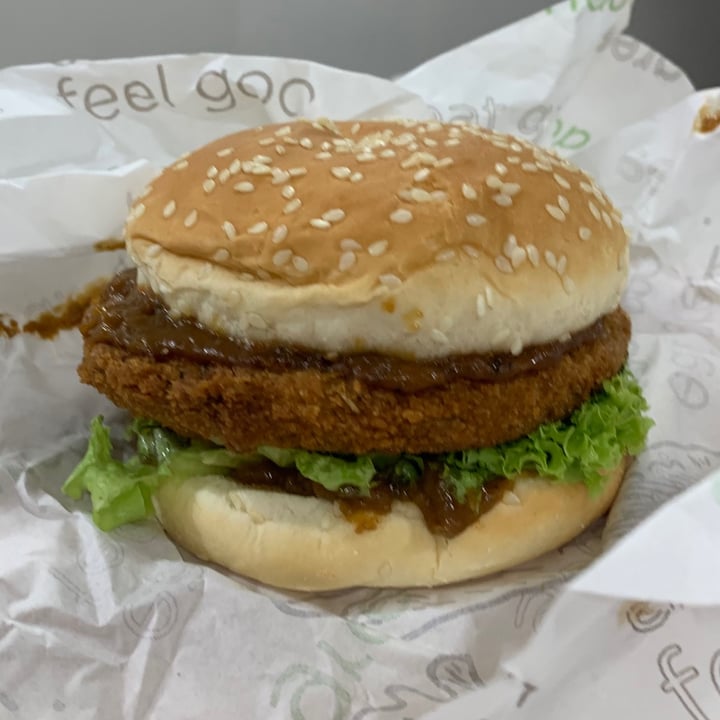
415	238
305	543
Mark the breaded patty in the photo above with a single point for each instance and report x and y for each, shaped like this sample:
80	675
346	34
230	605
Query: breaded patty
328	411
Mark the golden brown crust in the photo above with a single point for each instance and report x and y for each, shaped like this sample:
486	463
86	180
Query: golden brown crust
245	408
481	241
304	543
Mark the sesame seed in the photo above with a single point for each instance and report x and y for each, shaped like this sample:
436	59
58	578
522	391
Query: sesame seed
509	245
607	219
446	255
256	321
297	171
258	228
474	220
401	216
208	185
229	230
510	189
378	248
568	284
438	336
341	172
333	215
480	305
585	233
412	146
263	159
300	264
292	206
288	192
279	234
324	155
244	187
419	195
594	210
347	260
530	167
138	210
438	196
169	209
543	165
224	152
561	181
180	165
366	157
555	212
354	129
280	149
533	255
490	297
561	264
430	142
319	223
502	199
503	264
388	153
550	259
285	130
501	169
517	147
513	159
212	171
472	251
290	141
253	168
405	194
585	186
266	141
517	346
282	257
451	142
235	166
280	177
190	219
493	182
221	255
454	132
421	175
563	203
356	177
350	244
390	280
469	192
224	176
445	162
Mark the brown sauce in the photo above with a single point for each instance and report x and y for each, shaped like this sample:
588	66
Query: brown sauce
443	514
8	326
135	320
65	316
109	245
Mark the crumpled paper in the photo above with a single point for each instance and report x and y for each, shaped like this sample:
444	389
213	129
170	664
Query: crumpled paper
623	621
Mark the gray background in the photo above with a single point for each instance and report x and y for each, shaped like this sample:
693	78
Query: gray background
383	37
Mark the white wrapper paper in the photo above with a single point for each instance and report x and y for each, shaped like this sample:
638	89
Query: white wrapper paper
623	622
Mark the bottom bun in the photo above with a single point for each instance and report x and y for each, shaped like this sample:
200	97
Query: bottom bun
305	543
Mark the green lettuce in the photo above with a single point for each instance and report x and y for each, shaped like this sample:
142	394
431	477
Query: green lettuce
581	448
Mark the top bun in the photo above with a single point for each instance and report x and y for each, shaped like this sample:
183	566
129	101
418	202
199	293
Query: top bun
420	239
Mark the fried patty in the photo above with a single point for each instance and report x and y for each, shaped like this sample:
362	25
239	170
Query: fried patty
325	410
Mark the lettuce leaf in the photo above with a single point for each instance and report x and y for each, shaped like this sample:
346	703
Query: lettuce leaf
581	448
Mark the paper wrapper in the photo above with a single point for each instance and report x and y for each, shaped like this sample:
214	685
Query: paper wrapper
623	622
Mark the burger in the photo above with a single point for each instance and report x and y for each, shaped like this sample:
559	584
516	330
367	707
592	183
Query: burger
380	353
